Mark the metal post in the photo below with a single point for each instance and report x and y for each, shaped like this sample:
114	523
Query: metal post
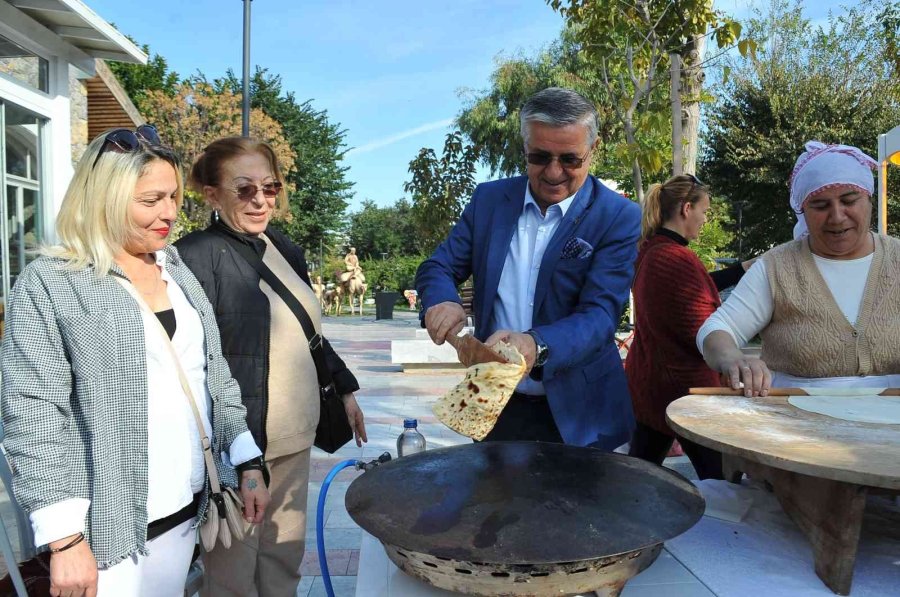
245	108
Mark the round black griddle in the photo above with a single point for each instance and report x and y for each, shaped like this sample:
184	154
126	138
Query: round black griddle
522	502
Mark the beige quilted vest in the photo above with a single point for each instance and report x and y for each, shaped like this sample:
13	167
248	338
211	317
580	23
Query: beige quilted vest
809	335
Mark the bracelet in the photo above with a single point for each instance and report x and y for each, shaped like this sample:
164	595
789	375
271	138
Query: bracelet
254	464
70	544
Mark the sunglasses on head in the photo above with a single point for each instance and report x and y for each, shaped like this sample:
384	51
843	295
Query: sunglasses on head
569	161
248	191
126	141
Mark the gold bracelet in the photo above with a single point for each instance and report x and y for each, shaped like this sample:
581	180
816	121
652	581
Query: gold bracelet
70	544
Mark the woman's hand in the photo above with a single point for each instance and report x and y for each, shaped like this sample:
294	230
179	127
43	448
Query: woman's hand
751	371
255	495
355	416
73	572
723	355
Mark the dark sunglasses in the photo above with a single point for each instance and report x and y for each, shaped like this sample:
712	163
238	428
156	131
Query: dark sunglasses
126	141
245	192
695	182
569	161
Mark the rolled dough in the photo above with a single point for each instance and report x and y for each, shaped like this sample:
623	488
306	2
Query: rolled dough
862	409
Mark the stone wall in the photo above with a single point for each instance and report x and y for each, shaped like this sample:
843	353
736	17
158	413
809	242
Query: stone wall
79	114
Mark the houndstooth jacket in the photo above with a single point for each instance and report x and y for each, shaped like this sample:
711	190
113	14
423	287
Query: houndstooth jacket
74	398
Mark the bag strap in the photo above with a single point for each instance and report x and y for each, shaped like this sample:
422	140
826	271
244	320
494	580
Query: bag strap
204	439
313	337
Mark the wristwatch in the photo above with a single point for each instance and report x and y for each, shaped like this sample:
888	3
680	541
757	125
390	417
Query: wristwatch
543	351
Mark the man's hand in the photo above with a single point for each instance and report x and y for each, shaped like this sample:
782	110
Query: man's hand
355	417
524	343
444	319
73	572
255	495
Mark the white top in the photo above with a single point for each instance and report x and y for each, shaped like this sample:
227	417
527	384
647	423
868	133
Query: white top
176	470
750	307
514	305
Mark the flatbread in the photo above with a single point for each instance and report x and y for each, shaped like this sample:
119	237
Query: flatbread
472	407
826	391
863	409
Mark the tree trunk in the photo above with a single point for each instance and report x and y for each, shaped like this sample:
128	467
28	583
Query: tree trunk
692	86
675	95
636	175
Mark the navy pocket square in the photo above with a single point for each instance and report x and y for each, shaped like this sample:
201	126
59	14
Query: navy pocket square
576	248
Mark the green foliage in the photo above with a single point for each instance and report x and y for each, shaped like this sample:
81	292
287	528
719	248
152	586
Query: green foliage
396	273
833	83
375	230
138	79
630	43
490	119
440	187
321	190
715	236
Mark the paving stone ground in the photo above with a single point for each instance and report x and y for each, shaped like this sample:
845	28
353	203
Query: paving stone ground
387	396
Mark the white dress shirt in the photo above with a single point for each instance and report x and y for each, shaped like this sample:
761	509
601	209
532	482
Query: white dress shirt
750	307
514	304
176	470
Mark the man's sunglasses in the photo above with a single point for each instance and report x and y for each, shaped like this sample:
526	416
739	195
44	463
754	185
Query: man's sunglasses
126	141
246	192
569	161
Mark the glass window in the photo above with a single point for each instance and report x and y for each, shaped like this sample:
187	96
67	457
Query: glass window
24	66
21	226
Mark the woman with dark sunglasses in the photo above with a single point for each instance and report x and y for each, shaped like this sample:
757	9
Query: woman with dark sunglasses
673	296
266	347
100	432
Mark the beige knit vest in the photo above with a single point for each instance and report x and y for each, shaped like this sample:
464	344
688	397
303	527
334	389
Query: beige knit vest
809	336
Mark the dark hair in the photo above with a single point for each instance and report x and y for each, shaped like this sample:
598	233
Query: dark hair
207	169
664	200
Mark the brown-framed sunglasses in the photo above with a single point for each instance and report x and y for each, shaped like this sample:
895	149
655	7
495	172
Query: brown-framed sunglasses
248	191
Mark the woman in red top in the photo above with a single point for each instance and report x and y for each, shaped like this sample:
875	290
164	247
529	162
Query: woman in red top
673	296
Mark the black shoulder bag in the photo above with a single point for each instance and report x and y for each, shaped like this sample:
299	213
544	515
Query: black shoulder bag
334	428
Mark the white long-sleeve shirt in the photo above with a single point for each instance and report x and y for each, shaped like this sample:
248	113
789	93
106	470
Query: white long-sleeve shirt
750	307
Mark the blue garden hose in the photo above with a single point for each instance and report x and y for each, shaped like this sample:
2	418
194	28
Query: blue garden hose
320	511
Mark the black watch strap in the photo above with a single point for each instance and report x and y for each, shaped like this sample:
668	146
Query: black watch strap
543	351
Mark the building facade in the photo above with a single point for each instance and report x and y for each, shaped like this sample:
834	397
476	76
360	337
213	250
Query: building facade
49	51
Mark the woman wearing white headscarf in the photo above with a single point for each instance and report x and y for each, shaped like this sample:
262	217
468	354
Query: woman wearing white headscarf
827	304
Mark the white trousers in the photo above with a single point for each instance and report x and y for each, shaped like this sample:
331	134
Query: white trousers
161	574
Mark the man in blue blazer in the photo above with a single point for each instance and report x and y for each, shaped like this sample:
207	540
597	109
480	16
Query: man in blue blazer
552	257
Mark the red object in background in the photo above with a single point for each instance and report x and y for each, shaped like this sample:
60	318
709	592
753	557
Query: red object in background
675	450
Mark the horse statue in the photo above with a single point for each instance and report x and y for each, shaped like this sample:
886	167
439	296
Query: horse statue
351	286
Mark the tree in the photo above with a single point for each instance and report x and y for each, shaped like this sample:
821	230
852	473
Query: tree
320	190
139	79
376	231
440	189
195	116
490	119
631	43
833	83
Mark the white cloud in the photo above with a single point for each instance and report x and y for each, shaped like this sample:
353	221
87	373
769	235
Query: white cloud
379	143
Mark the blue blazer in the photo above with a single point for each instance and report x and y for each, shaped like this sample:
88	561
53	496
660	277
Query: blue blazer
577	303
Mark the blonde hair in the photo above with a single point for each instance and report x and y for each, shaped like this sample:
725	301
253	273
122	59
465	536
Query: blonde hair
94	223
207	169
663	201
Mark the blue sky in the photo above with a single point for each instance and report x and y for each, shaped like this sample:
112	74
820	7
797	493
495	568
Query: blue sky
390	72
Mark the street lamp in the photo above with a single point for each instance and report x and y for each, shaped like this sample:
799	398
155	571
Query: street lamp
888	152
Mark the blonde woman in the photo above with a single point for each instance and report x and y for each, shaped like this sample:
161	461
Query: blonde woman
100	434
673	296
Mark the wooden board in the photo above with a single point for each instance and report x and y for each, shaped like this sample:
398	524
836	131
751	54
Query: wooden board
773	432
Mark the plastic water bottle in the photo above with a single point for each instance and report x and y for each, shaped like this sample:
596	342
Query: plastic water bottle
410	441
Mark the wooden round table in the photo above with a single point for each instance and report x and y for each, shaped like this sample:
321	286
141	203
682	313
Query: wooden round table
820	468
